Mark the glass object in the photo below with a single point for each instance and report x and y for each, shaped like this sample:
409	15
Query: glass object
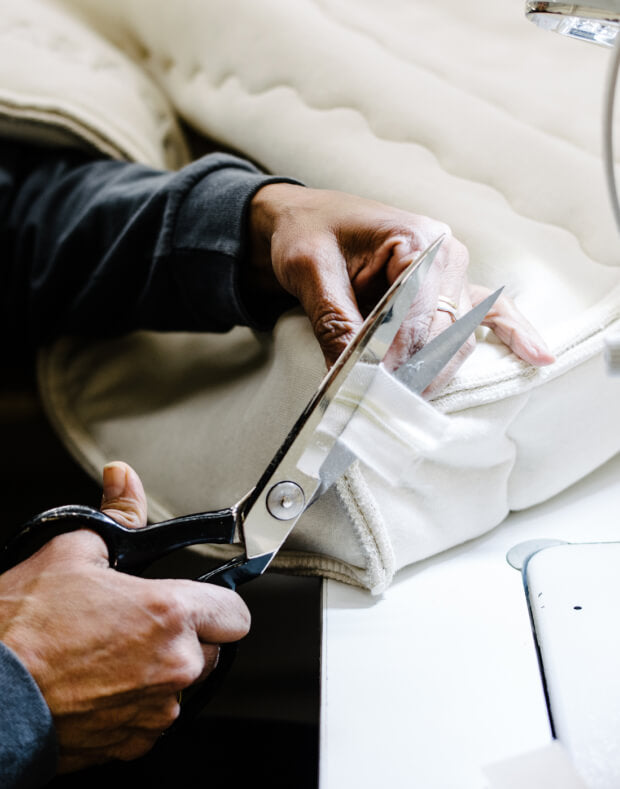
598	22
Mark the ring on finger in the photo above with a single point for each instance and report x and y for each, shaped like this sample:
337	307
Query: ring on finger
445	304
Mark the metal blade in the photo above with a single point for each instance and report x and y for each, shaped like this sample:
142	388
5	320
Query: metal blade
293	476
416	374
424	366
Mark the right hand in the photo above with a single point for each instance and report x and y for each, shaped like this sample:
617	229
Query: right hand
110	651
337	253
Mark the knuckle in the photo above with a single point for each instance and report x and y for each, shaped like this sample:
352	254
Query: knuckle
424	231
160	719
393	235
175	609
303	255
503	309
126	514
170	712
332	329
302	261
430	230
443	229
186	669
167	607
457	255
110	719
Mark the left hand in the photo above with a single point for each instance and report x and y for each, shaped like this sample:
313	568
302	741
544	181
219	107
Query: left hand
337	253
110	651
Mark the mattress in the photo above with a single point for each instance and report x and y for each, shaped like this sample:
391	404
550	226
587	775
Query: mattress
463	112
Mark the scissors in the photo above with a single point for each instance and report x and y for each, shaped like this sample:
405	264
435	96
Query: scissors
305	466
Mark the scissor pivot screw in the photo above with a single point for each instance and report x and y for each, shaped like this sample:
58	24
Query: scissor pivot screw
285	501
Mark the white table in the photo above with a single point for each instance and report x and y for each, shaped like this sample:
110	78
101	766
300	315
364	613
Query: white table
425	685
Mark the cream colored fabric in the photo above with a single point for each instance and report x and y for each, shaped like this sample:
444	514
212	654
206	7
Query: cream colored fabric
62	83
465	112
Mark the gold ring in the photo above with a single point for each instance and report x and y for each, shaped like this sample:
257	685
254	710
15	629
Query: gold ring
446	305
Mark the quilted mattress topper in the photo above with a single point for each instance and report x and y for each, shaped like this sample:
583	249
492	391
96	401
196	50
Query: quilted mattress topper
464	112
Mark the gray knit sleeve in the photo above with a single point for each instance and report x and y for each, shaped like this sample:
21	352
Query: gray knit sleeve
28	748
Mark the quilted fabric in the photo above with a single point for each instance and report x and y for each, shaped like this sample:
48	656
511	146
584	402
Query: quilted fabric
61	83
464	112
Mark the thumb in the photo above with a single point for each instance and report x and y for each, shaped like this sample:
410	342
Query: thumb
123	495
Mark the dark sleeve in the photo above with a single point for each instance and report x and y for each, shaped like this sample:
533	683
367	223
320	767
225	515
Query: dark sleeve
28	749
104	247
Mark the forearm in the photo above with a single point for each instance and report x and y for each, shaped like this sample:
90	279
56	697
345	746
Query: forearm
103	247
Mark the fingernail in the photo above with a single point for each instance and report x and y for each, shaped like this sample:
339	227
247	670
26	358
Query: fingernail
114	480
539	352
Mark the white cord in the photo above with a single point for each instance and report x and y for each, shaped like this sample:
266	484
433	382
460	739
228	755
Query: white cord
612	341
608	123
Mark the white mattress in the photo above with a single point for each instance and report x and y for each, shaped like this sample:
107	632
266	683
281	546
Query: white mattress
465	112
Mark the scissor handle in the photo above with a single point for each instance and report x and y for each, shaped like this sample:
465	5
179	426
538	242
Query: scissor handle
133	550
129	550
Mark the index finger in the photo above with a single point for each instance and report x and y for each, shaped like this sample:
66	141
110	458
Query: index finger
218	615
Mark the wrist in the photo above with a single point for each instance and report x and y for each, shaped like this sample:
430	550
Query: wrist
269	206
261	291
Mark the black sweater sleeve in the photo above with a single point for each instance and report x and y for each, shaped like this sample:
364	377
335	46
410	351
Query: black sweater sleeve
28	750
96	246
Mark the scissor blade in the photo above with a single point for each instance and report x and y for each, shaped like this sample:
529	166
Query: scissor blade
292	478
416	374
424	366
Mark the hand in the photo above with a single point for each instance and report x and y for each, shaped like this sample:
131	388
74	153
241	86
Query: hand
110	651
337	254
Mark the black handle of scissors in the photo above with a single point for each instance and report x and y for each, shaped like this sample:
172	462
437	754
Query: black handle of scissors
133	550
129	550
